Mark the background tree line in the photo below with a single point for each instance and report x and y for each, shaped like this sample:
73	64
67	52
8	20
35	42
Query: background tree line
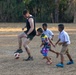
43	10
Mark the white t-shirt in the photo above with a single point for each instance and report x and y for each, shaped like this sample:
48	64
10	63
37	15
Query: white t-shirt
49	33
64	37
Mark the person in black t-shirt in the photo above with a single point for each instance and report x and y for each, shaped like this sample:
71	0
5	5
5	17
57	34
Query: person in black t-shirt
28	35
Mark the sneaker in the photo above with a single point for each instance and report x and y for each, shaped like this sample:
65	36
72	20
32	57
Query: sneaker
19	51
49	63
70	62
60	65
28	59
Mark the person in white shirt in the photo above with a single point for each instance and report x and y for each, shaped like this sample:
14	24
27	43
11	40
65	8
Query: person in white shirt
50	35
47	32
64	40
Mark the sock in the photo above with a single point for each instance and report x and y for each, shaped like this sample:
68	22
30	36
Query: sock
61	62
71	60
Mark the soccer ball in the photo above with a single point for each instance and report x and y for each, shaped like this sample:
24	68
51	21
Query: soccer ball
17	55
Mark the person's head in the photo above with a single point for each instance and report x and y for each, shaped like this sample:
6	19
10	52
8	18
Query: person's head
44	26
39	31
60	27
26	13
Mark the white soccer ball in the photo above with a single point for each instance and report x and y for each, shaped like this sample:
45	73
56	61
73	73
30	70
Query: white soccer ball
17	55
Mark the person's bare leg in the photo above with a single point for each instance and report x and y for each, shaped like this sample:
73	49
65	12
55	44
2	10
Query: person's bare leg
20	42
62	58
26	42
57	54
25	45
28	51
48	60
69	56
20	36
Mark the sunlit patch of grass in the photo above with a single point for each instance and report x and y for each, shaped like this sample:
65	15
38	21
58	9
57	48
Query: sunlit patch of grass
19	29
10	29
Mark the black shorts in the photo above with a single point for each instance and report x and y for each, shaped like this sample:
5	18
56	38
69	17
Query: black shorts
31	36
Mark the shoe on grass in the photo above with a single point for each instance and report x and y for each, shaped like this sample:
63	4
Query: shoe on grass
19	51
28	59
60	65
70	62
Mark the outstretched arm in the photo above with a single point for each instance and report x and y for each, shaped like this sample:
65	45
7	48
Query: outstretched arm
51	42
52	37
60	43
42	44
57	42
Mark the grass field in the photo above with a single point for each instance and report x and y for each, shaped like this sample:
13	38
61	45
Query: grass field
9	44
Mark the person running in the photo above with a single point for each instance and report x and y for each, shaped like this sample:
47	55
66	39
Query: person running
50	35
64	41
47	32
28	35
46	45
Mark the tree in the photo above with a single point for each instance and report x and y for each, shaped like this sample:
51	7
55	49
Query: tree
71	10
11	10
57	11
43	10
74	11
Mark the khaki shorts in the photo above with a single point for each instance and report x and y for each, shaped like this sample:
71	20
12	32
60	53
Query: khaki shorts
64	49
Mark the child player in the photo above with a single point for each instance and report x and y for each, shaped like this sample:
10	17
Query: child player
45	44
50	35
64	41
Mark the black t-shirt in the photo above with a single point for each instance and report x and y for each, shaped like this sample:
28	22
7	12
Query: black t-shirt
33	33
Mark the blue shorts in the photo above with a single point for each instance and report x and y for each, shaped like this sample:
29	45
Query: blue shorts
44	51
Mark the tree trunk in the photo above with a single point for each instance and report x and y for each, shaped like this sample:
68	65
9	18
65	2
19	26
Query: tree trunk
74	11
56	11
75	17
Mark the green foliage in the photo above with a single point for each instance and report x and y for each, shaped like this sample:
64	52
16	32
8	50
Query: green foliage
11	10
41	9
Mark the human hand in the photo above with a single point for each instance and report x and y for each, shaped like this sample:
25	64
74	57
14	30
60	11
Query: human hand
60	43
41	45
52	39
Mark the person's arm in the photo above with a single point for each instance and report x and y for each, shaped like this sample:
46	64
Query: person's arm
66	38
52	37
51	34
31	21
37	33
51	43
57	42
62	43
42	44
23	28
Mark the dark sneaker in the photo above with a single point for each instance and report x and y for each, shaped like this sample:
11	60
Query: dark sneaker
28	59
70	62
60	65
19	51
